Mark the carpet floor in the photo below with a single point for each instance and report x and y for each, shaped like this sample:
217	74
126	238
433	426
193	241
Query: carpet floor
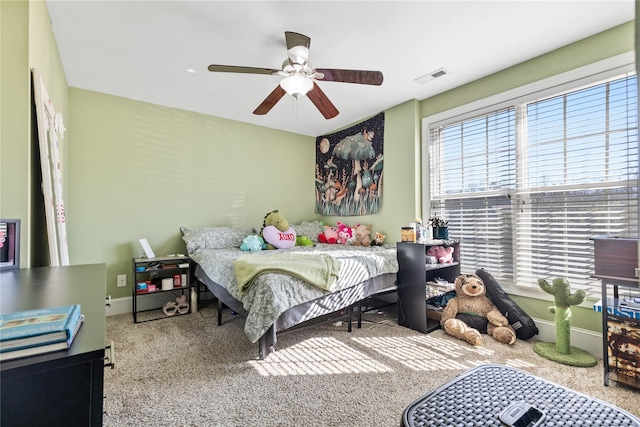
187	371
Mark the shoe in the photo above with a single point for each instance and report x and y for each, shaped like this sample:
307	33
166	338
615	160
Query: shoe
170	308
182	304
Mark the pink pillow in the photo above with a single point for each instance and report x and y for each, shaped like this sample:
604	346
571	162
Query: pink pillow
279	239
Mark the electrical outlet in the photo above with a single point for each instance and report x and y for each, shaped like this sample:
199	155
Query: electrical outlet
122	280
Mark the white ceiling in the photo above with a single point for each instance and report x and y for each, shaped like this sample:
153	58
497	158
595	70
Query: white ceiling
142	49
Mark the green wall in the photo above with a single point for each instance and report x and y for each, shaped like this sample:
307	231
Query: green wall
609	43
140	170
26	41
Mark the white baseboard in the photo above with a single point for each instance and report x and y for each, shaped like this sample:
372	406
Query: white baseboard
124	305
589	341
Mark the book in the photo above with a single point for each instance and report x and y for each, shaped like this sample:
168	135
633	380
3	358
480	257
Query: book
37	327
619	307
45	348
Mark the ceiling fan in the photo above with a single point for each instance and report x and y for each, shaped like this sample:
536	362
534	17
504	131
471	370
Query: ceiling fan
299	77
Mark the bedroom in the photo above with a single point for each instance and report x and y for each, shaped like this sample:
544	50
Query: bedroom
136	169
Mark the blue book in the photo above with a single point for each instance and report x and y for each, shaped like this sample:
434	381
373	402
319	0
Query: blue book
44	348
31	328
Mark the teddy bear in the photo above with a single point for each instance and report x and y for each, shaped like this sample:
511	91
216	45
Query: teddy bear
442	254
329	235
471	313
276	231
362	235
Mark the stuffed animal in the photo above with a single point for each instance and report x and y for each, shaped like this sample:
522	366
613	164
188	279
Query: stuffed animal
330	235
442	254
303	241
378	240
276	231
345	234
252	243
472	312
362	235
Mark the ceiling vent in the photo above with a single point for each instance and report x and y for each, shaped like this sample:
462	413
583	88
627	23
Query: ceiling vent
432	75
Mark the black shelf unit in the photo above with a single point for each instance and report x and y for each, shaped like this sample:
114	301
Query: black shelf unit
615	261
413	275
154	270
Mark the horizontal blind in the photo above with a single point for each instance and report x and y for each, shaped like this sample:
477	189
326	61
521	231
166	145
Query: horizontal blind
580	172
473	177
526	187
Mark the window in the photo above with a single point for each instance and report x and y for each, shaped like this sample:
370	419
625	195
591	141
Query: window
525	186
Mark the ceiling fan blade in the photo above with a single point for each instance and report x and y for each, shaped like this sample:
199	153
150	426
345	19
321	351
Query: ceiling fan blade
235	69
270	101
351	76
297	47
320	100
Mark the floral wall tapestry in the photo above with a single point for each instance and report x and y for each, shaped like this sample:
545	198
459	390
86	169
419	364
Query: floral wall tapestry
349	170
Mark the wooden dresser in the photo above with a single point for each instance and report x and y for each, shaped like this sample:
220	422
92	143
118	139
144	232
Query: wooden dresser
63	388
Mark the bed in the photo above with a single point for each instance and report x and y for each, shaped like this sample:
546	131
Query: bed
276	300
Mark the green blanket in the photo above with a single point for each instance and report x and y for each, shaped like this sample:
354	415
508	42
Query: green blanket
320	270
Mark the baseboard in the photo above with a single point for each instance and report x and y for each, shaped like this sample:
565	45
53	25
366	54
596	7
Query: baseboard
124	305
589	341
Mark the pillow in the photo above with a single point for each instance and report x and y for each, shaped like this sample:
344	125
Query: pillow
309	229
279	239
214	237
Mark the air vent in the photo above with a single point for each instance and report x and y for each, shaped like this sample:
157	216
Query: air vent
432	75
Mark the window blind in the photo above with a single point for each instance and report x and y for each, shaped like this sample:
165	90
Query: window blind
580	179
525	187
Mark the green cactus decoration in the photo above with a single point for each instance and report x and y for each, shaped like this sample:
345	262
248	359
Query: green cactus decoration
562	310
562	351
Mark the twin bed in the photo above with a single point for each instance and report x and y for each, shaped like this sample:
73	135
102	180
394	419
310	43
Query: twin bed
267	287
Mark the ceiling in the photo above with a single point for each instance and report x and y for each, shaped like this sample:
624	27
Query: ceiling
142	49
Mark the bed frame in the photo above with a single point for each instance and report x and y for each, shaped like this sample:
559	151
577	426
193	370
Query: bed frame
333	306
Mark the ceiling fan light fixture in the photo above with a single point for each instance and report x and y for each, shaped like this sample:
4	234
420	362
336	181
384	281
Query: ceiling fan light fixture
296	85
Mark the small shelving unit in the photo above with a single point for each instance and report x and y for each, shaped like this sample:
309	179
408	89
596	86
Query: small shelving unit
152	271
615	261
413	274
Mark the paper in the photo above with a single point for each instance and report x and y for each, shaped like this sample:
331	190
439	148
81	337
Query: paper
147	249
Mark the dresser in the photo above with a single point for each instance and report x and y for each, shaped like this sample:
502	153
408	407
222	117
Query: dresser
63	387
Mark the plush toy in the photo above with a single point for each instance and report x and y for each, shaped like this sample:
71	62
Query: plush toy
303	241
345	234
362	235
276	231
442	254
378	240
472	312
330	235
252	243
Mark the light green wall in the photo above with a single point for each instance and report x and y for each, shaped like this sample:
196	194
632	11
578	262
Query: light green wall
140	170
14	115
27	42
609	43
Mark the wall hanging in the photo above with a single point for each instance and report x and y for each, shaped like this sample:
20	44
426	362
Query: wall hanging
350	169
50	132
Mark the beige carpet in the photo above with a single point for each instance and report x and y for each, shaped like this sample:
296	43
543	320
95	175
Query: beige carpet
187	371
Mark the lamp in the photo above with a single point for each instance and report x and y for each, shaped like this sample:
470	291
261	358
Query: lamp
296	85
